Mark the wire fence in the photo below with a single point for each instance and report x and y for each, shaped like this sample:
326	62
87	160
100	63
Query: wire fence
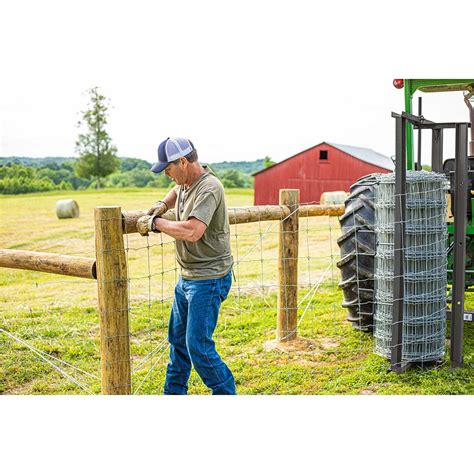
247	324
54	338
52	342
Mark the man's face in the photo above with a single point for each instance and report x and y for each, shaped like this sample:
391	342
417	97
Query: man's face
177	171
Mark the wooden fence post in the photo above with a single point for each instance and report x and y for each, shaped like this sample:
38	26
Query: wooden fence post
287	318
112	283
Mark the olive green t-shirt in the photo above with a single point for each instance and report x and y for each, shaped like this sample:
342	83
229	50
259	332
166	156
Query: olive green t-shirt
210	257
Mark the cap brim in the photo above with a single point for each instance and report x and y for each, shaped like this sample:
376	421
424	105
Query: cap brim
158	167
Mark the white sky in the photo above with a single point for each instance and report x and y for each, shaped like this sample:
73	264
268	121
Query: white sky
241	79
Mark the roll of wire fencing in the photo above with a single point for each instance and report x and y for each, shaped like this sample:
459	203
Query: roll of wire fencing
425	265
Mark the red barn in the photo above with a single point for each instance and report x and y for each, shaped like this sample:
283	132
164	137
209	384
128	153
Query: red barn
324	167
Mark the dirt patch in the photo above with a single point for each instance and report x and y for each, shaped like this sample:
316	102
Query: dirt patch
367	392
24	389
301	346
327	343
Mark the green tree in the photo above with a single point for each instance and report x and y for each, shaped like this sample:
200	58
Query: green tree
267	162
128	164
232	179
97	154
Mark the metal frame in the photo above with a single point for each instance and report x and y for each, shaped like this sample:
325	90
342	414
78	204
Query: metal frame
428	86
460	209
457	312
399	254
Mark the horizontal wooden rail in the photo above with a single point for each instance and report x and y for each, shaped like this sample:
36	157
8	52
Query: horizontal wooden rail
313	210
245	215
49	262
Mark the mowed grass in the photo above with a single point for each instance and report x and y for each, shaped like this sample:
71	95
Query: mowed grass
50	319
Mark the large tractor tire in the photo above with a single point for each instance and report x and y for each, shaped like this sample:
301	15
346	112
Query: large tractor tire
357	244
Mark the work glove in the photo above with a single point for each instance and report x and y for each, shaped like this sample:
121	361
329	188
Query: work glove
158	209
145	225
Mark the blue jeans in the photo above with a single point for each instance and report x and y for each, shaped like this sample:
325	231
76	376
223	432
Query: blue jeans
192	322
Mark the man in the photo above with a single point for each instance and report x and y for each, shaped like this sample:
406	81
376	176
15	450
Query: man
202	236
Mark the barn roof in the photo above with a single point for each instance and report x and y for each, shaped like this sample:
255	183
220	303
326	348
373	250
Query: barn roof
366	154
363	154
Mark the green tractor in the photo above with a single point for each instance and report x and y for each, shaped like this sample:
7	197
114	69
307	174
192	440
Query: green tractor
357	242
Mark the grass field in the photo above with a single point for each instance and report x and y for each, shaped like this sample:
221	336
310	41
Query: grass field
52	318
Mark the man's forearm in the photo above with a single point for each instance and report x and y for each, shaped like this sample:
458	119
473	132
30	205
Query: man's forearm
178	230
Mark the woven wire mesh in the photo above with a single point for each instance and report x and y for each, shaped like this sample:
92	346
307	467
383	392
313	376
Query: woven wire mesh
425	262
50	340
246	334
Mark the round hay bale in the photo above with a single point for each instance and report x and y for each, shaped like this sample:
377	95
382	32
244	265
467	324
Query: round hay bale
333	197
67	208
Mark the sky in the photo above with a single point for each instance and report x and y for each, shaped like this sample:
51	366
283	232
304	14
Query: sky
242	80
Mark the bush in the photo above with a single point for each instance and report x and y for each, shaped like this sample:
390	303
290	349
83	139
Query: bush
232	179
17	178
22	184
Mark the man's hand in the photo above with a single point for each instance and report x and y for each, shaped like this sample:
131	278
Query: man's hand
145	225
159	208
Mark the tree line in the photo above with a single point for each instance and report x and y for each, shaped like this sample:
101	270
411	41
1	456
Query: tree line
17	177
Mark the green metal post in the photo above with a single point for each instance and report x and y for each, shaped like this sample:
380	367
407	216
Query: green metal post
409	126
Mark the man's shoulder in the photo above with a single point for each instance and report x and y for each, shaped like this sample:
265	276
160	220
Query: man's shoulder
210	183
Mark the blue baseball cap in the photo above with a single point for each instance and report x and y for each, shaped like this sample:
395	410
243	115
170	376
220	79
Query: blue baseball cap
170	150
